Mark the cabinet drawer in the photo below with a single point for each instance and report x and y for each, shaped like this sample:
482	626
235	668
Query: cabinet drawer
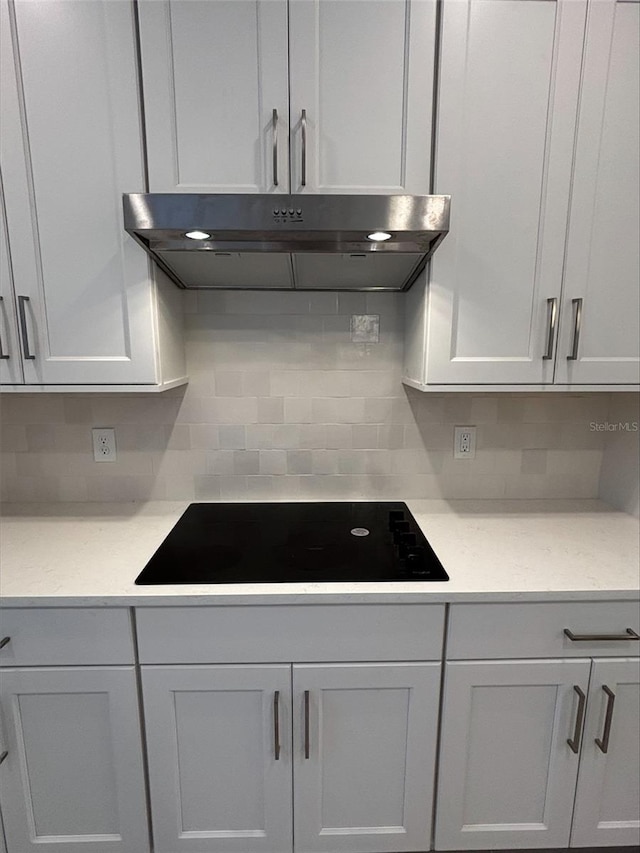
479	631
42	636
309	633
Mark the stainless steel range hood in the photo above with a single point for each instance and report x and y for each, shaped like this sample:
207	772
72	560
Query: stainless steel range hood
277	242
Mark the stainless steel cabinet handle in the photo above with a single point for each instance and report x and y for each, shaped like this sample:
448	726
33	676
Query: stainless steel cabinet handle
303	126
276	725
306	724
3	755
630	634
552	318
603	744
577	325
4	641
22	301
574	742
3	354
275	148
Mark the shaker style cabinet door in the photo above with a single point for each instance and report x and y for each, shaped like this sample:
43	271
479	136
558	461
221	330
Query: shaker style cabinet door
364	740
508	96
73	776
216	100
607	810
219	751
600	323
10	355
71	145
507	773
361	79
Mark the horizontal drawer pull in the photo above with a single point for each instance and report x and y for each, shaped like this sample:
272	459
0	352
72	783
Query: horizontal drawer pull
629	634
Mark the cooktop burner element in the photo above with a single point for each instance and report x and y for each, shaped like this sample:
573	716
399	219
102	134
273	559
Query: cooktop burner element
289	542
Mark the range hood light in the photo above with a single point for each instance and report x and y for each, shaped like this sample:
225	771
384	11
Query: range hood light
379	236
198	235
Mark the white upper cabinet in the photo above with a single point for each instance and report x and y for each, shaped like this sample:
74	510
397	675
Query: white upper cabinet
222	81
87	308
508	94
603	268
10	356
216	95
361	82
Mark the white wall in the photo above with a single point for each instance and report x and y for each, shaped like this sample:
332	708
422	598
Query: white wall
620	473
282	405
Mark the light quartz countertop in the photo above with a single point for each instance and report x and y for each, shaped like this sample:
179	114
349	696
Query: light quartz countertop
78	555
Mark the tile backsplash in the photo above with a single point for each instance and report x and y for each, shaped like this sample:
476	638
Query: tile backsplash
282	404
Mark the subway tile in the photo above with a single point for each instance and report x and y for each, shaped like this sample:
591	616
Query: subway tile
246	461
273	462
259	436
232	437
228	384
484	410
312	436
533	462
286	436
14	437
206	487
77	410
177	436
204	436
299	461
270	410
297	410
391	436
365	436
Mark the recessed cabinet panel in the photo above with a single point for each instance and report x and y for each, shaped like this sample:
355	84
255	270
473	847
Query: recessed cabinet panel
73	774
608	796
213	74
71	147
364	79
219	758
364	753
10	355
507	773
603	251
504	151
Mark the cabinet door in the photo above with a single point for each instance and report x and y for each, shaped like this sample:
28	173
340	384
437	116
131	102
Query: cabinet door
10	355
73	777
363	74
507	112
607	808
364	756
507	773
213	73
70	147
603	264
218	783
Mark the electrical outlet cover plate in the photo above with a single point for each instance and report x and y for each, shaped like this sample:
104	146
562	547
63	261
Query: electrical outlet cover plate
104	444
464	442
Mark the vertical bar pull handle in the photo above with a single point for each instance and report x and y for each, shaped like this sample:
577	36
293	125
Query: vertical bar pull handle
577	326
552	319
276	725
22	302
603	745
4	642
3	355
275	147
306	724
574	742
303	127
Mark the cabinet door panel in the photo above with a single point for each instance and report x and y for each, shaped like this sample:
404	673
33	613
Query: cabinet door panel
11	367
73	775
365	79
213	74
215	782
71	147
368	782
608	797
507	111
507	774
603	253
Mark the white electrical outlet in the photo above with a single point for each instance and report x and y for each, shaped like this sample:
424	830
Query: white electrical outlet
464	442
104	444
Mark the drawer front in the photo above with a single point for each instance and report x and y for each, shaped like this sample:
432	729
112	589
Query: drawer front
479	631
68	636
308	633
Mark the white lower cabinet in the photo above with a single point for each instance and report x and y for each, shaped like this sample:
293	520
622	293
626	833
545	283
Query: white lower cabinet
72	778
507	773
225	767
607	807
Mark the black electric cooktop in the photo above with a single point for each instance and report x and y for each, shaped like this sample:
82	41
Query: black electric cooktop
294	542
